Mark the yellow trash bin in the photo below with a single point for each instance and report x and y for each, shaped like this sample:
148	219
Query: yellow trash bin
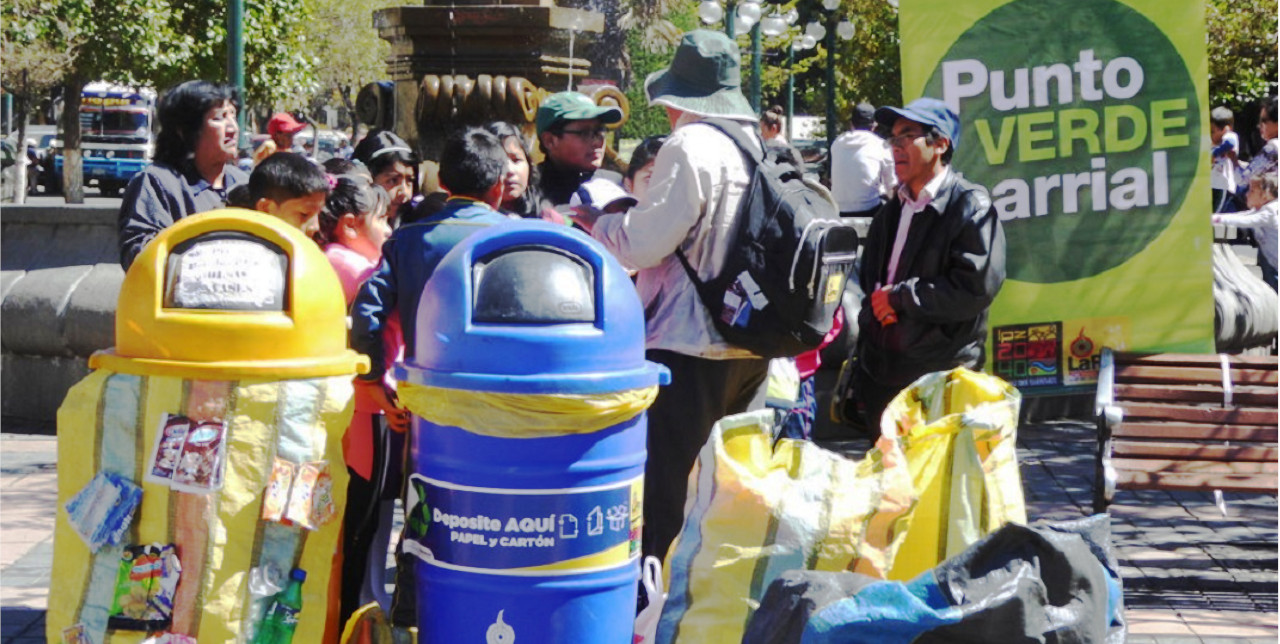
217	420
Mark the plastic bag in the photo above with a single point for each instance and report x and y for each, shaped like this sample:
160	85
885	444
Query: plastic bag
958	431
756	509
647	619
1053	583
506	415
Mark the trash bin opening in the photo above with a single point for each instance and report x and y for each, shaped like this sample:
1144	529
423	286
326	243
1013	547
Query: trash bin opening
533	284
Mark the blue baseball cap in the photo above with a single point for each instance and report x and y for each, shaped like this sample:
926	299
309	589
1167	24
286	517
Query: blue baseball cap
926	111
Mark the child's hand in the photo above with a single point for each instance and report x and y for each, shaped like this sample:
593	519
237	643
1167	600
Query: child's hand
585	216
397	416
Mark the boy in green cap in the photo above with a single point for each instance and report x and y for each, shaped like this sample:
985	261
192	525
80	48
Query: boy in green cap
571	133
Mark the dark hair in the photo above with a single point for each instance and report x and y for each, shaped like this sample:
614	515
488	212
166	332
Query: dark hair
1269	103
529	205
472	162
644	153
180	116
351	193
238	197
932	137
773	116
380	149
339	165
284	176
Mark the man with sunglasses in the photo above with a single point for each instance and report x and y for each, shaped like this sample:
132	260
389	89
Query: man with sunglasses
571	134
933	262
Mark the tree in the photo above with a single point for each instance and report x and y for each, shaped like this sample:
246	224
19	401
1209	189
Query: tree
32	66
160	43
1242	50
653	28
350	53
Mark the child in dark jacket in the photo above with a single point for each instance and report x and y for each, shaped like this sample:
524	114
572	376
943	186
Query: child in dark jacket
472	165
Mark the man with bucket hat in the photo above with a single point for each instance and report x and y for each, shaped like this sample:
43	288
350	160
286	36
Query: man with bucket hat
571	134
933	262
699	179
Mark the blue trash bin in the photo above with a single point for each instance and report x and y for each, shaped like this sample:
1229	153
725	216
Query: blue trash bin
531	539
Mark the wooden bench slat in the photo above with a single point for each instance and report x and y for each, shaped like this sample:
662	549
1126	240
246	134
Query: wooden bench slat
1208	375
1176	434
1172	466
1244	395
1192	359
1200	414
1195	452
1195	432
1131	480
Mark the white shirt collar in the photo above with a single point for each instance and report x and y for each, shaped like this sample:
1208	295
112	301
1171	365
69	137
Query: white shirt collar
927	193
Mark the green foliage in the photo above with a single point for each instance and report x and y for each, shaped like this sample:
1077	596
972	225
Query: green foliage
279	63
1242	50
868	66
648	55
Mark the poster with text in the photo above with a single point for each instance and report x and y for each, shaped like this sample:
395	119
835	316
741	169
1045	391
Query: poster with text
1087	122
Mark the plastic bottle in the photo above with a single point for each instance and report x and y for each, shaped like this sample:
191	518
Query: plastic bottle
281	617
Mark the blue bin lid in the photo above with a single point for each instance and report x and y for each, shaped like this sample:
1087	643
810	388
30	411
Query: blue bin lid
530	307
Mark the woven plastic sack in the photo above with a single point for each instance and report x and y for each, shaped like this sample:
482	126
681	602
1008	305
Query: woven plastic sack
108	422
757	508
958	430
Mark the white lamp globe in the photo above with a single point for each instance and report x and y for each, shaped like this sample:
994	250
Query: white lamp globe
710	12
791	16
773	26
808	42
830	5
845	30
748	15
816	30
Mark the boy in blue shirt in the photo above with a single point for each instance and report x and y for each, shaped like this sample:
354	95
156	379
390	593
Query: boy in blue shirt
471	169
472	166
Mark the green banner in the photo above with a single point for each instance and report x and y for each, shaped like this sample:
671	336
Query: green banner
1087	122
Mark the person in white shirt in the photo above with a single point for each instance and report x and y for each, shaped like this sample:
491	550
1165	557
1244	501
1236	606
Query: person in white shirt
699	179
1263	220
1225	176
861	167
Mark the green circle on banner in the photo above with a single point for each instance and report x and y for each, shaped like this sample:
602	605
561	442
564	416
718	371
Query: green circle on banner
1083	124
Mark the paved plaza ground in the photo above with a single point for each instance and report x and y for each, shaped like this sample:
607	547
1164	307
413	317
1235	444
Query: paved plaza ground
1191	574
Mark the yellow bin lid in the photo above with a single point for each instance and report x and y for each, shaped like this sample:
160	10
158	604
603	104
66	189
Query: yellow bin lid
231	294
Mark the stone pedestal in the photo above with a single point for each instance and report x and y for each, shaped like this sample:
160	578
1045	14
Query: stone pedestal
471	61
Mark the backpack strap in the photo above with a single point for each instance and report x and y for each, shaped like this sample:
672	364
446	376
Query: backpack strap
752	150
748	148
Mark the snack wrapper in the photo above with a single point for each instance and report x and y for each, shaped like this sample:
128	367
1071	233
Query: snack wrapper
76	634
170	638
203	458
311	500
102	511
276	497
145	586
168	449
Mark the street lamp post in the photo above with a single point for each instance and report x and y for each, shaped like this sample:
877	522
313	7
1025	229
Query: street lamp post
235	61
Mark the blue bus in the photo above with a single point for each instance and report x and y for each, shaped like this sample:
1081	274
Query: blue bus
117	135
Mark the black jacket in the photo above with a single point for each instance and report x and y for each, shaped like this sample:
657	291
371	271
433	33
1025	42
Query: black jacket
950	270
558	184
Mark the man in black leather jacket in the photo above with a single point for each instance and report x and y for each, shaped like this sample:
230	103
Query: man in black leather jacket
933	262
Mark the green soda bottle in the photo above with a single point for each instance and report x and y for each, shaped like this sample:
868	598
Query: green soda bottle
282	613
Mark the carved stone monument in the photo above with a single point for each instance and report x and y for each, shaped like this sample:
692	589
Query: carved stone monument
473	61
